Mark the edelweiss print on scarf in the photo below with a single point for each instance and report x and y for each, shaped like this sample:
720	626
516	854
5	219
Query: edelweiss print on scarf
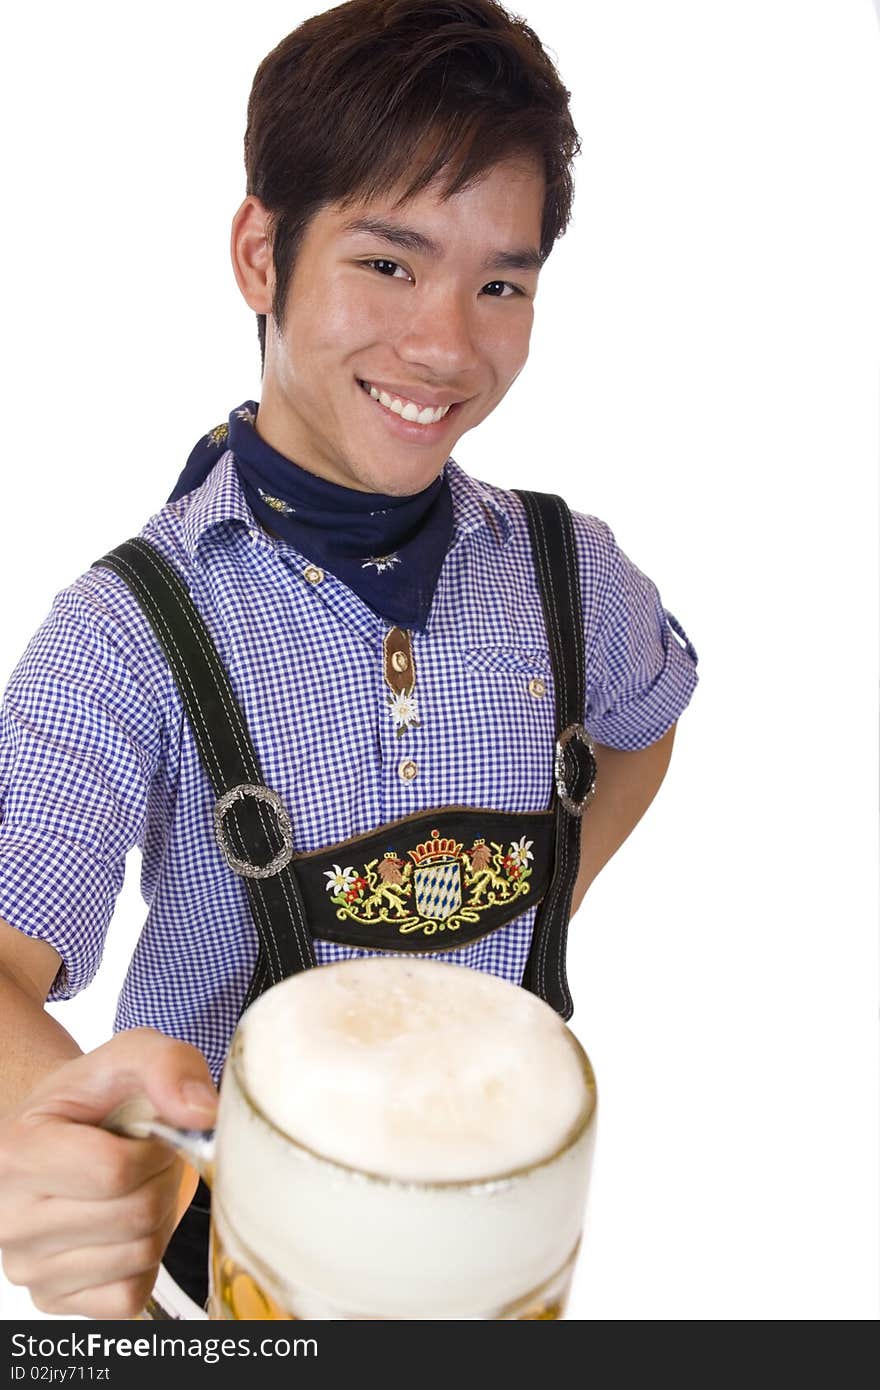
381	562
218	436
442	887
276	503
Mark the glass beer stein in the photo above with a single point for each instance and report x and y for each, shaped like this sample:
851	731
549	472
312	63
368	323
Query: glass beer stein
399	1140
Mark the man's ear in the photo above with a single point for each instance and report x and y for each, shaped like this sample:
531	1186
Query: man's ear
251	251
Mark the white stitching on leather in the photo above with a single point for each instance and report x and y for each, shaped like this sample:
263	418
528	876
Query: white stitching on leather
297	922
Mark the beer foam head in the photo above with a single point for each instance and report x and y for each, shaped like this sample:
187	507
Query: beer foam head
415	1070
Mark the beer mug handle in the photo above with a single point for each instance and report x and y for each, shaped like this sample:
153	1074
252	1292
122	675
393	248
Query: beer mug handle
137	1119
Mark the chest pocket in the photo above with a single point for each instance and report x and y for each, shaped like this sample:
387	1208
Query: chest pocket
510	661
512	694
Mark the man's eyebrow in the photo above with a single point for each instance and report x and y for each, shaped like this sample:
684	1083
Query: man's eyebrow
408	239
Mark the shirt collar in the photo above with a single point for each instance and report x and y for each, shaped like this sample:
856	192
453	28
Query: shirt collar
476	505
220	501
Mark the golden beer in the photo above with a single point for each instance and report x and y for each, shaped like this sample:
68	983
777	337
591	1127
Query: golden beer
237	1294
399	1139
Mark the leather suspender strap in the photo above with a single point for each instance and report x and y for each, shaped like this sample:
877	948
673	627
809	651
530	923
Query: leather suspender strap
555	554
251	825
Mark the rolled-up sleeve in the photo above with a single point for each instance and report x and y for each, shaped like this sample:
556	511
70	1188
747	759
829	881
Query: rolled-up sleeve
79	743
641	665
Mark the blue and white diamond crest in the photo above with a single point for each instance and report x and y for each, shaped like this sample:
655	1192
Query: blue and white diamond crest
438	889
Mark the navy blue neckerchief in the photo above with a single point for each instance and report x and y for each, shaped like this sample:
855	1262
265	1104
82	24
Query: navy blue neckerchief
388	550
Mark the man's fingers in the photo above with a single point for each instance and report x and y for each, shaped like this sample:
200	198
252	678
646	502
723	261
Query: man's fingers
76	1271
53	1224
120	1300
79	1161
174	1076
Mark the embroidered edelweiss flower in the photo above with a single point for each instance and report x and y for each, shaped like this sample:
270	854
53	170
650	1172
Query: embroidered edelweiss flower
339	880
403	710
245	414
521	852
276	503
218	435
382	562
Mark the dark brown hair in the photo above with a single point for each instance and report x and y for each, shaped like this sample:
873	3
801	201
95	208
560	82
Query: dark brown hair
371	88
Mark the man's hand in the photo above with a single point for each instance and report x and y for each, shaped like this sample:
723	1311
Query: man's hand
85	1215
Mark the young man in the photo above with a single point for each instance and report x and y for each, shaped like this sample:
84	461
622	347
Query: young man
397	640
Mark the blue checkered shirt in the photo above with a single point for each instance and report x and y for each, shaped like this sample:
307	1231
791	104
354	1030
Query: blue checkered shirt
97	757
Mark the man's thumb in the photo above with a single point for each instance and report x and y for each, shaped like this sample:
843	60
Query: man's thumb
142	1062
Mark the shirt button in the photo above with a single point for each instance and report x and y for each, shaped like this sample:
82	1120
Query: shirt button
537	687
408	770
313	574
400	661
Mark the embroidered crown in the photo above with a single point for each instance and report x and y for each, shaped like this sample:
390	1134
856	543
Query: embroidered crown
431	850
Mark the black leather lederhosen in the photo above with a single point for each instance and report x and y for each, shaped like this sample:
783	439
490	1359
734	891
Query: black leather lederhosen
447	881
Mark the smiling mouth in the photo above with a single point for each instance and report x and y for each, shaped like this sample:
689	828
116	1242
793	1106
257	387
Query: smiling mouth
407	410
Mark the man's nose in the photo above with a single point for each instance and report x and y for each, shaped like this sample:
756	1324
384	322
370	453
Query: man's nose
440	333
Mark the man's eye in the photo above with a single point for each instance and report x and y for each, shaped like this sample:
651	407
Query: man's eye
497	286
381	264
497	289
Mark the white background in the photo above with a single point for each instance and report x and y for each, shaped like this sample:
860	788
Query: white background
704	377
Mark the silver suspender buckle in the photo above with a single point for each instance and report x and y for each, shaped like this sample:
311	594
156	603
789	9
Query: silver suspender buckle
285	829
585	758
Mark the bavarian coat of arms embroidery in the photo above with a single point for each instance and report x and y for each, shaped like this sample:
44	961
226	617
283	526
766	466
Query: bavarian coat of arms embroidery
439	886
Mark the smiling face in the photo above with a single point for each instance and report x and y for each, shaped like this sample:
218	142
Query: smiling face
395	313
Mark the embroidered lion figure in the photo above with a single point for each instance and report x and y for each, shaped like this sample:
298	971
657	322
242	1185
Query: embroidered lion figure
483	878
388	881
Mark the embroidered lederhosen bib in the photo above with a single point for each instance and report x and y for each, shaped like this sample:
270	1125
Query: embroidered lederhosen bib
431	882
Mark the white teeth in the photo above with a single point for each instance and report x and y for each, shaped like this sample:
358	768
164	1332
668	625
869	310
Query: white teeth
429	415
